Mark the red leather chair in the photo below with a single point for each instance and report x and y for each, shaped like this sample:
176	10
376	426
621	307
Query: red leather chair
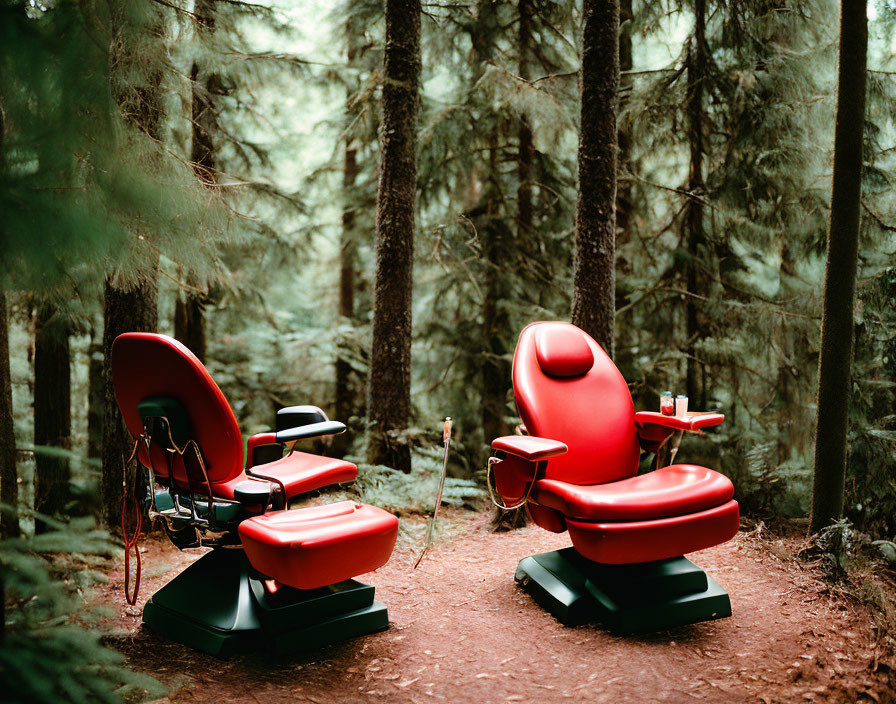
576	469
276	577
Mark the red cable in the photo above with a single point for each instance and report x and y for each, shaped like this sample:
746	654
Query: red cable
129	543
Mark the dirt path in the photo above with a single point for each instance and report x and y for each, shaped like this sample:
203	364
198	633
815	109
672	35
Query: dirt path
462	631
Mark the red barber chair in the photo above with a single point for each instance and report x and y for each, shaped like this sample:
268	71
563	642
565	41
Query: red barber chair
276	578
576	468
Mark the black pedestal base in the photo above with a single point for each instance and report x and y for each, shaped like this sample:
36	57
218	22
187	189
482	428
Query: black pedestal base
639	598
218	605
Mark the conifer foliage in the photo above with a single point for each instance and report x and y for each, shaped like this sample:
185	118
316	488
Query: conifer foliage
362	211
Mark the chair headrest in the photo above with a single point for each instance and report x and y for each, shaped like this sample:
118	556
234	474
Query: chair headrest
562	351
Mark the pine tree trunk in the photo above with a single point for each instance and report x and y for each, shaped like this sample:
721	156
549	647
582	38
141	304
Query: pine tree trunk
594	304
696	75
526	154
624	139
389	405
189	322
95	403
624	342
835	361
345	397
495	372
189	310
52	411
135	310
9	486
127	309
494	369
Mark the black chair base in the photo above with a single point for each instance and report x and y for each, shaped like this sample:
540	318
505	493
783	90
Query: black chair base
220	606
638	598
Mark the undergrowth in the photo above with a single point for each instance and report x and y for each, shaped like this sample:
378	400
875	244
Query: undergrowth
51	650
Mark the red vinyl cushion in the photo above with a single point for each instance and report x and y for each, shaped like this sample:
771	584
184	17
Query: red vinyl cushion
562	351
312	547
675	490
592	414
147	364
644	541
528	447
300	472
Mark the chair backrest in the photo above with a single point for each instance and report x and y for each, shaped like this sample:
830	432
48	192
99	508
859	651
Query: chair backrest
150	366
567	388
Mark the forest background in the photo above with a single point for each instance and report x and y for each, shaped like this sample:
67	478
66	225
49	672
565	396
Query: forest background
224	156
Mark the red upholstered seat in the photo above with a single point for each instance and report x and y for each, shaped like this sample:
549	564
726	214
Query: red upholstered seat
300	472
670	491
312	547
569	394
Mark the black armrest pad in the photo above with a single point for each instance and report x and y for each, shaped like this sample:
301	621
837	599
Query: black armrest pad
294	416
253	492
313	430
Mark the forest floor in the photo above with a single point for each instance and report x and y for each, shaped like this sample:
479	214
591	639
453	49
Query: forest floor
462	631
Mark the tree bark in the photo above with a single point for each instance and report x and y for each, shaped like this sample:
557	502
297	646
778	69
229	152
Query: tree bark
127	309
495	370
526	154
348	247
189	322
95	402
189	310
389	385
696	76
52	411
9	480
835	361
624	139
594	305
134	310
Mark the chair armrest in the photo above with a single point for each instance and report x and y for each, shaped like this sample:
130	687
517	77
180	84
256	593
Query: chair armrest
529	448
294	416
654	428
312	430
691	422
257	441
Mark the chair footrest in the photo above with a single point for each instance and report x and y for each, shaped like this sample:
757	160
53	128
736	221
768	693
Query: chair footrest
636	598
311	547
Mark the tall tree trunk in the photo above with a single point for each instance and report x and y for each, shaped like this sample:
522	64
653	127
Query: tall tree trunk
189	322
594	295
624	139
52	411
348	247
135	310
495	370
696	76
189	309
127	309
95	402
389	405
526	153
835	361
9	484
9	477
624	342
